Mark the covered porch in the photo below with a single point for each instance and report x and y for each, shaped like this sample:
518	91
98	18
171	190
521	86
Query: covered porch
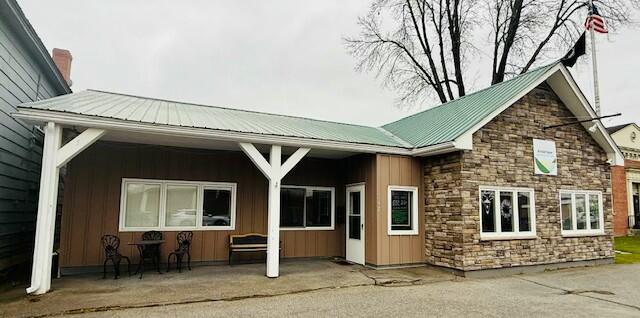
126	172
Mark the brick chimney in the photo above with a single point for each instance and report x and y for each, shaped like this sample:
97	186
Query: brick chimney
63	59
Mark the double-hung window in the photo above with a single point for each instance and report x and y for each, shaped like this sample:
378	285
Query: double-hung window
177	205
403	210
581	212
507	213
310	208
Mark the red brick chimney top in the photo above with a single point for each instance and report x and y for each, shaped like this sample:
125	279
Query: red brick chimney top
63	59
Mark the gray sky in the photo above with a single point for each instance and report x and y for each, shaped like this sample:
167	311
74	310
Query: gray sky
283	56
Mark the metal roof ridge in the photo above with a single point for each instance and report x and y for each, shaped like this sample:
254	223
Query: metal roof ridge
229	108
472	94
403	142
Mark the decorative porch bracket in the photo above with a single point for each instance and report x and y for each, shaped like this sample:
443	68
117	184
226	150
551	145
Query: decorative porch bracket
274	171
53	158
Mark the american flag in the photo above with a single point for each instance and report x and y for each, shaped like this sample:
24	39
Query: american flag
595	21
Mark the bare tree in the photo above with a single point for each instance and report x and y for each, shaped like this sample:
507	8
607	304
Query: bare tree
421	47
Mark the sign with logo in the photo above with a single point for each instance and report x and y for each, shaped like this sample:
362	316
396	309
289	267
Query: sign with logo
545	160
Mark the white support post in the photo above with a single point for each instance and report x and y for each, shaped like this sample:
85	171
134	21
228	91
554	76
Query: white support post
273	214
47	200
274	170
53	157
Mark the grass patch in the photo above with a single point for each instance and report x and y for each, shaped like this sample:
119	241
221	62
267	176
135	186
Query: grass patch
629	244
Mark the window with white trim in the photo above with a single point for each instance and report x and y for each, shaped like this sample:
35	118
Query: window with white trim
507	213
581	212
177	205
307	208
402	210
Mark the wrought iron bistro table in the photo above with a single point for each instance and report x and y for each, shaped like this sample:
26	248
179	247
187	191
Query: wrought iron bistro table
148	250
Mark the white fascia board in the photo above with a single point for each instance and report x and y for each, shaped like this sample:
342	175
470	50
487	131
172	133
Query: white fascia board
565	86
40	116
435	149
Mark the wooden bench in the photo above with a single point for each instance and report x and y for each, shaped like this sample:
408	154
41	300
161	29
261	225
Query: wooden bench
252	242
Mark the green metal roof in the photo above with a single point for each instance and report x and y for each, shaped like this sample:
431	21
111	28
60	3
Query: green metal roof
434	126
164	112
448	121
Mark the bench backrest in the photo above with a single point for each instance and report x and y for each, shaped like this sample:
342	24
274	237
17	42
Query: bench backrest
246	239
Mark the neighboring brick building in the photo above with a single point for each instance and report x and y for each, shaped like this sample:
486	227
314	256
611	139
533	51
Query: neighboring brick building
626	180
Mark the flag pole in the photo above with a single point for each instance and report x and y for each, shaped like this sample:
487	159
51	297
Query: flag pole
594	62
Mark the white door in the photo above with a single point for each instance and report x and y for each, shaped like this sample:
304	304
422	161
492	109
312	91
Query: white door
355	224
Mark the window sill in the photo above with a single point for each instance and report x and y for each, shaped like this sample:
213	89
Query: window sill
402	233
178	229
507	237
582	234
307	228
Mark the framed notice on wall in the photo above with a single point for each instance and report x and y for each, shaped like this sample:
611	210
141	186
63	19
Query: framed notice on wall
545	160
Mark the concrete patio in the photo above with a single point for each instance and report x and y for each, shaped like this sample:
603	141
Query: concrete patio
90	293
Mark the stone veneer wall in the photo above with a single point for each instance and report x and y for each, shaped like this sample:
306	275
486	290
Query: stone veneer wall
503	156
443	210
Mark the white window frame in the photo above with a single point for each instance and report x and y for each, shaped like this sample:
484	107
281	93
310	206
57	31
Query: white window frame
588	231
304	227
200	185
414	210
516	234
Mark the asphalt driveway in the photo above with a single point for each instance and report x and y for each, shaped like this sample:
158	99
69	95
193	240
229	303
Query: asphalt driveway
350	291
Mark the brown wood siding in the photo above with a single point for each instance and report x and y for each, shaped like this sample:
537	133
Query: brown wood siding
398	249
92	199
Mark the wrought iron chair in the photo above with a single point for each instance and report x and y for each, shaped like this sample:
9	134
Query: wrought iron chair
151	236
111	243
184	239
151	252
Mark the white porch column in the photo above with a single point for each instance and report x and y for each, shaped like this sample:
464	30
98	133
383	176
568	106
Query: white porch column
53	157
47	200
273	214
274	170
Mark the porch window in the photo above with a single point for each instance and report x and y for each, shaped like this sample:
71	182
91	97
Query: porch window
581	212
309	208
177	205
507	213
403	210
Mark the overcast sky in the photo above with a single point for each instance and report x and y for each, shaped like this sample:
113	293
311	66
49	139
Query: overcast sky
275	56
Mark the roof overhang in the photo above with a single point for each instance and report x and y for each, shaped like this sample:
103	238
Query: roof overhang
38	116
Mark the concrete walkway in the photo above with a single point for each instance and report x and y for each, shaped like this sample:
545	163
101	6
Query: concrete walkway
317	289
90	293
